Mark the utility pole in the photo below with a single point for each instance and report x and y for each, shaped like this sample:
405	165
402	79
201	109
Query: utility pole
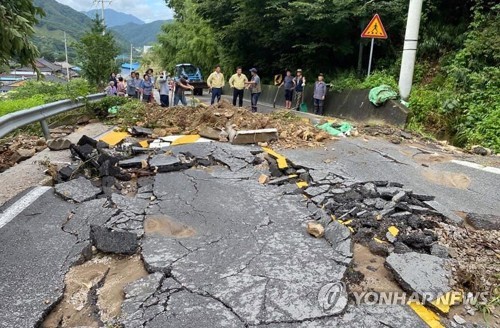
66	51
102	11
130	68
410	48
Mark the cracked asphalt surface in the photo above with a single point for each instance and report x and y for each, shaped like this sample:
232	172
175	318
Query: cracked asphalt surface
221	249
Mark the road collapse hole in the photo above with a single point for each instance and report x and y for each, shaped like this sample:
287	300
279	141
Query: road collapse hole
93	292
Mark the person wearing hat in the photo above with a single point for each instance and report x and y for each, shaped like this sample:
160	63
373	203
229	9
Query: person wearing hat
255	88
300	82
319	95
215	82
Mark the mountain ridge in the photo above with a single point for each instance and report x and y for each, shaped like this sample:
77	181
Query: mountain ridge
114	18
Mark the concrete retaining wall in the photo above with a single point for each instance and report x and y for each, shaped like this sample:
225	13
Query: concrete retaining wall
352	104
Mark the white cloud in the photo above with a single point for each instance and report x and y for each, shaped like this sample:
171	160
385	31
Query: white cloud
147	10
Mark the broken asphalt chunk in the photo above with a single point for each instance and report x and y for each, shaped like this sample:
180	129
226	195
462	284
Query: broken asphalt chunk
140	131
166	163
78	190
86	140
421	273
109	241
134	162
483	221
446	213
130	204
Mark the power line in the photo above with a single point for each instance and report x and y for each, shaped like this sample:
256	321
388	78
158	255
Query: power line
102	2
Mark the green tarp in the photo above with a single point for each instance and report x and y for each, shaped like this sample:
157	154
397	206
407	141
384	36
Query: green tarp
379	95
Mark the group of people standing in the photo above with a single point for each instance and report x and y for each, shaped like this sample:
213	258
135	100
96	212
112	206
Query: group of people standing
142	88
238	82
294	91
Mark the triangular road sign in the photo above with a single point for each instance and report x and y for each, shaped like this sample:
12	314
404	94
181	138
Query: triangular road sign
375	29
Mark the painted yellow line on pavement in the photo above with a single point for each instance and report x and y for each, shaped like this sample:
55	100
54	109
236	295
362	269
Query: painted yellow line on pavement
446	301
282	164
187	139
429	317
113	138
302	184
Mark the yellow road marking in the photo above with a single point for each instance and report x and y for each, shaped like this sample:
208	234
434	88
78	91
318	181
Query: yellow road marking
282	164
429	317
187	139
113	138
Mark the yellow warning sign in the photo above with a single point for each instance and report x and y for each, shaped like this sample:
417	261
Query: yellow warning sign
375	29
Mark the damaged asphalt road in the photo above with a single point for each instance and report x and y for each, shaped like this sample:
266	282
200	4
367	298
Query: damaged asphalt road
221	249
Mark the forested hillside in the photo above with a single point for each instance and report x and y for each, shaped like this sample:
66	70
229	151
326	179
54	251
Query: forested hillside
457	76
59	18
139	35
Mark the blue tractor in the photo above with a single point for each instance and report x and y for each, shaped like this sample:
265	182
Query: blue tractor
194	76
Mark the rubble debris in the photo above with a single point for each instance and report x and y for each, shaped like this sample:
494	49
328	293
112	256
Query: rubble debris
210	133
263	179
58	144
109	241
445	212
140	161
139	131
166	163
114	137
242	137
459	320
78	190
424	274
439	251
25	153
293	131
483	221
315	229
480	150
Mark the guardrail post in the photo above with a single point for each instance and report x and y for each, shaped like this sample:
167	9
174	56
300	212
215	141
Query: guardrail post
45	129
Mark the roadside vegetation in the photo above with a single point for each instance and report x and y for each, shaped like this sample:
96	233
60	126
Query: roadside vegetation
35	93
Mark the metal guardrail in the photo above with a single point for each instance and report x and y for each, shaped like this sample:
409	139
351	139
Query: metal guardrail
16	120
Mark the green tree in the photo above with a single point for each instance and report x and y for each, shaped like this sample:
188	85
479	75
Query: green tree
16	30
96	53
189	39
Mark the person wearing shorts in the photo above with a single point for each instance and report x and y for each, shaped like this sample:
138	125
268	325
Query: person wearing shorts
289	84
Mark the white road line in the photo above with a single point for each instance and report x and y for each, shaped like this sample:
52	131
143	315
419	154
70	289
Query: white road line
490	169
21	204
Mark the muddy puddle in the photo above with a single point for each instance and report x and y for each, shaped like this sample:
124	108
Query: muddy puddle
164	225
447	179
375	276
94	291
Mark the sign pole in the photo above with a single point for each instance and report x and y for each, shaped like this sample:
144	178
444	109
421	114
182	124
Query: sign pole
374	30
371	56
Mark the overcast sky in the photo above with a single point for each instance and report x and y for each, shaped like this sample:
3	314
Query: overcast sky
147	10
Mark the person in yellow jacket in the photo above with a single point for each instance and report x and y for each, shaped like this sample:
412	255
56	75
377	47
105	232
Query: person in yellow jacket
237	83
216	82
